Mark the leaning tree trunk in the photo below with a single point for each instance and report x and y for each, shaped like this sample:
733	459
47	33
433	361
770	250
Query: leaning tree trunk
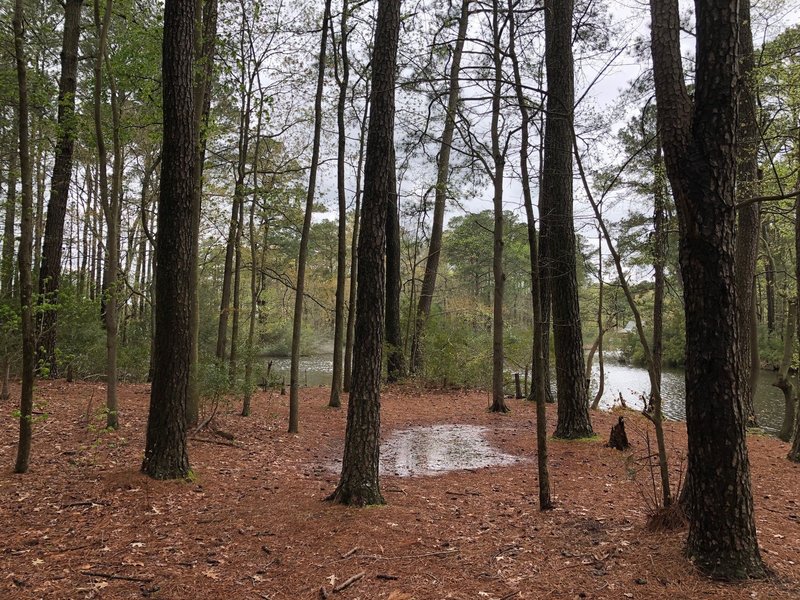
442	178
699	140
50	270
166	455
557	224
359	484
297	321
25	255
539	395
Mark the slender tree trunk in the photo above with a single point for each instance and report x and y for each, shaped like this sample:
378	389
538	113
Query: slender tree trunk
10	216
166	455
24	258
698	140
297	324
237	273
359	484
498	396
205	47
769	276
539	395
557	224
600	329
654	413
659	260
395	361
784	382
351	303
442	179
749	226
341	253
50	270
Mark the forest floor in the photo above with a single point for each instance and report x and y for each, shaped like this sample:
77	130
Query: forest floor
83	523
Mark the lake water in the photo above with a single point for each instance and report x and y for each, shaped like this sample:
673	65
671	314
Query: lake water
629	380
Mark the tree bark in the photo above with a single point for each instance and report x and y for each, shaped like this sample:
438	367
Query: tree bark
784	383
351	303
166	455
442	179
498	395
699	144
341	252
297	322
539	395
50	269
24	258
359	484
7	259
205	47
749	226
395	361
558	235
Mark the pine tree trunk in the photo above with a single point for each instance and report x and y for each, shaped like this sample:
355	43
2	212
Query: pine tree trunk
395	361
359	484
297	323
539	395
557	224
784	382
166	455
442	179
351	303
50	270
749	226
341	251
24	258
10	216
698	140
498	396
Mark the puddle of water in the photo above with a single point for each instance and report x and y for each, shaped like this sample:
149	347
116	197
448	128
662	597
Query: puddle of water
436	449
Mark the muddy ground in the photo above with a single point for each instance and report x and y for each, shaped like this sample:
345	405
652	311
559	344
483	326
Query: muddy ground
83	523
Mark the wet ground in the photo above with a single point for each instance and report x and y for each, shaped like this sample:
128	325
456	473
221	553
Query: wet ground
436	449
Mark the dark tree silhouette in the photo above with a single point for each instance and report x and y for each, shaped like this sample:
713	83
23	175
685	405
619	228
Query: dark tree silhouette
166	455
359	483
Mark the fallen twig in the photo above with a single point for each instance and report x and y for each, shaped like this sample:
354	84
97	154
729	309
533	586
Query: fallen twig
462	493
405	556
351	552
348	582
509	596
386	577
83	503
122	577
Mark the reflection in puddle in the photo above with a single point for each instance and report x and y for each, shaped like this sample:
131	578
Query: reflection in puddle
437	449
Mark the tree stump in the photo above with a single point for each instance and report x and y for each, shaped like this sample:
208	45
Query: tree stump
618	438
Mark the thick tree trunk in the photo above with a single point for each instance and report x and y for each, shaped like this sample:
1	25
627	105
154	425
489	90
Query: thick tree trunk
340	324
24	258
442	179
359	484
560	268
297	322
166	455
50	270
498	395
539	395
698	147
659	259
